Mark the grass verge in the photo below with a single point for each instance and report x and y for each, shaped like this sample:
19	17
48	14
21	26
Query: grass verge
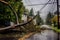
56	29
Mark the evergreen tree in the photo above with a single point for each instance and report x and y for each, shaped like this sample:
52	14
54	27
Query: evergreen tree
31	12
48	19
38	18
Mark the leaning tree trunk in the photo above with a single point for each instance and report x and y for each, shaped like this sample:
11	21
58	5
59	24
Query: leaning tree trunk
6	3
19	25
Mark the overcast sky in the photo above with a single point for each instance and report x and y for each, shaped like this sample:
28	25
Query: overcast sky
44	12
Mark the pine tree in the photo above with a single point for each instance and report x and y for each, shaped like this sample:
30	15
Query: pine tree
38	18
31	12
48	19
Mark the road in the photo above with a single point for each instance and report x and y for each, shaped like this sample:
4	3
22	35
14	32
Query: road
44	35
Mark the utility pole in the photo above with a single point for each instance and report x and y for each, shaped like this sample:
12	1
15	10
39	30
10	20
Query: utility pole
58	15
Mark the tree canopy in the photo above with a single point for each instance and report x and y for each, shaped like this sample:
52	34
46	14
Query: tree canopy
7	14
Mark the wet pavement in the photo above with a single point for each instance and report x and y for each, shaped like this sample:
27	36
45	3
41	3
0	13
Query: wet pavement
44	35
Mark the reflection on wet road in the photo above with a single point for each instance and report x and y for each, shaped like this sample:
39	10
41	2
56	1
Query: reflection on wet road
44	35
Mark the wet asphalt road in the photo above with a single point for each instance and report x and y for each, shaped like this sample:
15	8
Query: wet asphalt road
44	35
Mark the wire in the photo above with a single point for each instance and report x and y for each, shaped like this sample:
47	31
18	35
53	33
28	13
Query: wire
53	6
39	4
44	5
26	1
30	1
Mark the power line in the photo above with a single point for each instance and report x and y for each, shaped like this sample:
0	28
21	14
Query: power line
30	1
39	4
44	5
26	1
53	6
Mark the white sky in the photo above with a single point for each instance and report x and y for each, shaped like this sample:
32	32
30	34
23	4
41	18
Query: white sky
44	12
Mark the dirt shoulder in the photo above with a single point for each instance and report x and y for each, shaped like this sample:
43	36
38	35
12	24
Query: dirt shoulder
27	36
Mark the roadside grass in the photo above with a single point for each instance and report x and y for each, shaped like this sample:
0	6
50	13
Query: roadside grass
55	29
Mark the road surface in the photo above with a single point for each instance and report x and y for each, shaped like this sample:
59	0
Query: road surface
44	35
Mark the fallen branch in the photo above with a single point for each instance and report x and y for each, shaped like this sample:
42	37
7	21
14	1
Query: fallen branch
21	24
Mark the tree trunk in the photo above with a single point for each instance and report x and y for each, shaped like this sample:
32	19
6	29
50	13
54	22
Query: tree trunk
6	3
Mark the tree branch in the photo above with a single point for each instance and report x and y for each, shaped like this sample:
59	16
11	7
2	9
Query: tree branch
21	24
6	3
